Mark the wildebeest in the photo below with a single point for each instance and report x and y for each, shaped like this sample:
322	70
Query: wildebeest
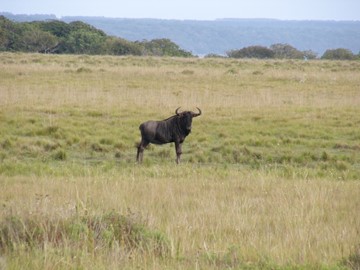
173	129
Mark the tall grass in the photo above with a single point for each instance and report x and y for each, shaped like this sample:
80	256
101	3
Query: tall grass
269	179
206	214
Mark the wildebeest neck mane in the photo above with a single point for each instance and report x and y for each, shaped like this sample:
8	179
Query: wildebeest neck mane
173	125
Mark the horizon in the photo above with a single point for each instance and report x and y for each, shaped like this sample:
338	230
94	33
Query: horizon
200	10
165	19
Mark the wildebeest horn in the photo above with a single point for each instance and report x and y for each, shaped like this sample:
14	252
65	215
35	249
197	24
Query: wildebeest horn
176	111
196	114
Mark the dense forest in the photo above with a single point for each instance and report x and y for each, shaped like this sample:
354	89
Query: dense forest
77	37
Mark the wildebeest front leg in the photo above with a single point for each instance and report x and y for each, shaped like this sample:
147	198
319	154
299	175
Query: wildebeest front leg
178	151
140	151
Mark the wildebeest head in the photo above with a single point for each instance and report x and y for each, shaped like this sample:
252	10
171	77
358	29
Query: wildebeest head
185	119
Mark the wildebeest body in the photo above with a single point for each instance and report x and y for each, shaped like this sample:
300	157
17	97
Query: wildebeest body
173	129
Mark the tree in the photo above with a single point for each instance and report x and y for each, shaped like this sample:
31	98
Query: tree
338	54
252	52
162	47
10	35
309	54
57	28
3	33
84	42
36	40
118	46
286	51
81	26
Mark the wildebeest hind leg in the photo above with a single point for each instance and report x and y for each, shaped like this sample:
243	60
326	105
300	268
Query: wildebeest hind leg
140	151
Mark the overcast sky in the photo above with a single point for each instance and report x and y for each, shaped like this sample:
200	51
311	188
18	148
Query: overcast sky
191	9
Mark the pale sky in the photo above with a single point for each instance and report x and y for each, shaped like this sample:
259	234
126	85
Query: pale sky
191	9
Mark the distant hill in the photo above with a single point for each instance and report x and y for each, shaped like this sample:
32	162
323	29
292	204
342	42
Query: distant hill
220	36
28	18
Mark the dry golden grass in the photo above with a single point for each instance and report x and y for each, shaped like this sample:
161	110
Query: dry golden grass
208	215
123	82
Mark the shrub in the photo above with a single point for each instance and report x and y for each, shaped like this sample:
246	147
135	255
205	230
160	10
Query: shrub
60	155
83	70
252	52
286	51
162	47
353	261
106	141
6	144
338	54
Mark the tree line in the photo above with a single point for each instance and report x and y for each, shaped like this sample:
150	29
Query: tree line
76	37
58	37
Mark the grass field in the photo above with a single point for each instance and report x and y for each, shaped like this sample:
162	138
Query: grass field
269	179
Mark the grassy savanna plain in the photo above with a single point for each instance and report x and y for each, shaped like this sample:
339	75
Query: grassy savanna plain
269	179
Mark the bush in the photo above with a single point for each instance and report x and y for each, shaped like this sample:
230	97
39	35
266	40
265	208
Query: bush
118	46
286	51
162	47
252	52
60	155
338	54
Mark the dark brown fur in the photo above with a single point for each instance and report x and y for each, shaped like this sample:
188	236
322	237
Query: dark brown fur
173	129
